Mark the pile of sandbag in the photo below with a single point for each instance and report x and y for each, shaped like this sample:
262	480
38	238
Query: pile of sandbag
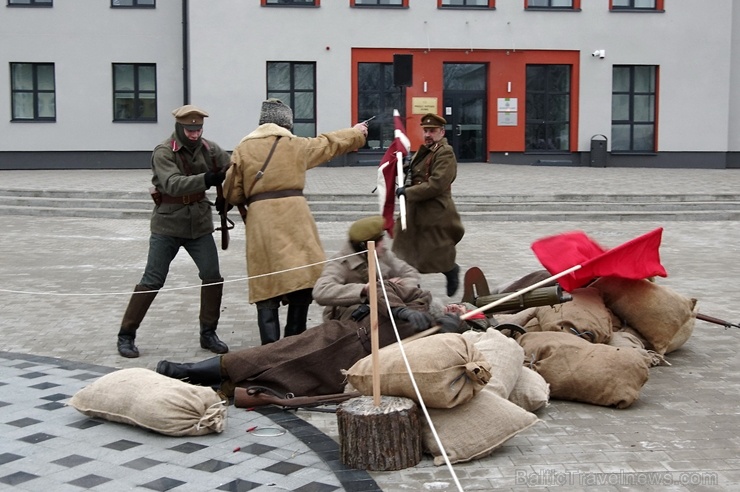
476	390
598	348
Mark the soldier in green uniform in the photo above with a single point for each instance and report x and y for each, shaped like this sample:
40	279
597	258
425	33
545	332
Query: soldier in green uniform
184	166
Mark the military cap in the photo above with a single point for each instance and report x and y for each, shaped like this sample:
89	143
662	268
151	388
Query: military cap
191	117
431	120
367	229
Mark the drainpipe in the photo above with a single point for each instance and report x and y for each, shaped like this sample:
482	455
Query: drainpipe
185	53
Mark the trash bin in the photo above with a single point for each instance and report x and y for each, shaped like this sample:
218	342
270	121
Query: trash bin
598	150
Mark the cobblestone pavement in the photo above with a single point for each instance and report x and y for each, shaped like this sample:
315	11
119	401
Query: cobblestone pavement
66	282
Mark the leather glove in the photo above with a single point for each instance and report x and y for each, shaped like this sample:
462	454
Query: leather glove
420	320
214	179
450	323
222	206
401	190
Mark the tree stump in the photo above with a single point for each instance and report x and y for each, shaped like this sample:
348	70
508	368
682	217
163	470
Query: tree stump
380	438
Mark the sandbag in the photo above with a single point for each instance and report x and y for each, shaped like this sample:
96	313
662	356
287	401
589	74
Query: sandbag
505	356
447	368
578	370
655	311
531	391
683	333
585	316
144	398
474	429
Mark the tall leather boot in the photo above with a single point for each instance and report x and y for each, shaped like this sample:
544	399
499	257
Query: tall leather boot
269	325
204	373
296	322
138	305
210	311
453	280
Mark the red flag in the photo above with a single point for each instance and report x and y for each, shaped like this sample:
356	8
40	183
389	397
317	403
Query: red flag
636	259
387	172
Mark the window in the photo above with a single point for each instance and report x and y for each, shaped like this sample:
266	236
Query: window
30	3
650	5
134	92
379	3
294	83
142	4
377	96
548	108
490	4
32	92
633	108
553	4
294	3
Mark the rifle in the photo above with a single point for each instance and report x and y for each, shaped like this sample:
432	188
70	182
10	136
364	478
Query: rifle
256	396
716	321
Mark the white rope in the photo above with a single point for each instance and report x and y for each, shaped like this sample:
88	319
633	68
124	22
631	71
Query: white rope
127	293
413	382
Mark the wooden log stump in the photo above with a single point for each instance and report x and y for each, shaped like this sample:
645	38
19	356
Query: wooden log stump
380	438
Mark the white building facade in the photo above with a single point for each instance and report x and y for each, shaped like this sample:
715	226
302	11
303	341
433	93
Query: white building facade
629	83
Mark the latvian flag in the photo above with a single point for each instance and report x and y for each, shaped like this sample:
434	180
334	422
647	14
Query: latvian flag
387	172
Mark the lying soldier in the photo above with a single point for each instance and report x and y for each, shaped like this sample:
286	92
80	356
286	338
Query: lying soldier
310	364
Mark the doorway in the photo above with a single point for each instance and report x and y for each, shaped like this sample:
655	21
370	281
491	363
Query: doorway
464	108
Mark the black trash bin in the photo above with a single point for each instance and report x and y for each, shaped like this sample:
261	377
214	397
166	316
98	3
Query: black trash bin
598	150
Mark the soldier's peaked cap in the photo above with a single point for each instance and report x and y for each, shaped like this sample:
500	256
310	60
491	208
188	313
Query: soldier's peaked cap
431	120
191	117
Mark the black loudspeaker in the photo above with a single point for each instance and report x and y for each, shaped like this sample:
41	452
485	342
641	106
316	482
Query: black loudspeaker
402	74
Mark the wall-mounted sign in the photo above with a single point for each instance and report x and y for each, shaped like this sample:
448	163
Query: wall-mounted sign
423	105
507	118
507	104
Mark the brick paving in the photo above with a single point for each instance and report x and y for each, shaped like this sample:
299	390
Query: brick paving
66	282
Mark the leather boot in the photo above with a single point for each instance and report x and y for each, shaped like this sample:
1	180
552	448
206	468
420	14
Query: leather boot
204	373
138	305
453	280
296	322
210	311
269	325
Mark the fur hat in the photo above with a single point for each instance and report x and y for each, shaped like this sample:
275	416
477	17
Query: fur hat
275	111
367	229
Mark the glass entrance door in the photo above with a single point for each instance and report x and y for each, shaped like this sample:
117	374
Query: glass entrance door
464	108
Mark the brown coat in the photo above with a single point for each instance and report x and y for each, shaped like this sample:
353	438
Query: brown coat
433	225
310	364
280	232
340	285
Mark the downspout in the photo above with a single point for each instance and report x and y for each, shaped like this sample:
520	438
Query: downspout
185	53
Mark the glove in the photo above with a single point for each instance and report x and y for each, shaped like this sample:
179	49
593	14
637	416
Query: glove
360	312
214	179
418	319
222	206
401	190
450	323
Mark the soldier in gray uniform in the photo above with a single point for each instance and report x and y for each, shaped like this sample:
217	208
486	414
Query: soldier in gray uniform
184	166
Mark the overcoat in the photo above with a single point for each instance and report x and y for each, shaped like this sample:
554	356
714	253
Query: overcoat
340	285
281	235
310	364
433	225
178	170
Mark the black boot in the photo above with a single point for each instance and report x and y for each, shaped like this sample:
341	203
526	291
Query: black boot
296	322
269	325
138	305
453	280
210	311
204	373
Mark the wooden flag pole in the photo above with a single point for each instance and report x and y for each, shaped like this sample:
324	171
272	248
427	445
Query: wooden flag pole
399	184
374	337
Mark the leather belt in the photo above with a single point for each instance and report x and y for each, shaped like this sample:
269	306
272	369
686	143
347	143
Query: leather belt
185	199
273	194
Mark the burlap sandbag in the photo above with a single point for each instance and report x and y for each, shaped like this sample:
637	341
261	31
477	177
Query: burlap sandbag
683	333
627	339
585	316
144	398
578	370
447	368
505	356
531	391
475	429
657	312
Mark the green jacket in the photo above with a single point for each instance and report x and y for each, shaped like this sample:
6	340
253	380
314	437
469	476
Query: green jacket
170	177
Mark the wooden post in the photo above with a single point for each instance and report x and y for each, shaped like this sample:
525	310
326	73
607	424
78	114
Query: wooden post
374	337
381	437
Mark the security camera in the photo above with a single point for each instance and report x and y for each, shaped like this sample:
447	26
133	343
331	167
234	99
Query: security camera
599	53
595	53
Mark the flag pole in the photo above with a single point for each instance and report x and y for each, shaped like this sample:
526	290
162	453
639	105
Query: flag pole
399	184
